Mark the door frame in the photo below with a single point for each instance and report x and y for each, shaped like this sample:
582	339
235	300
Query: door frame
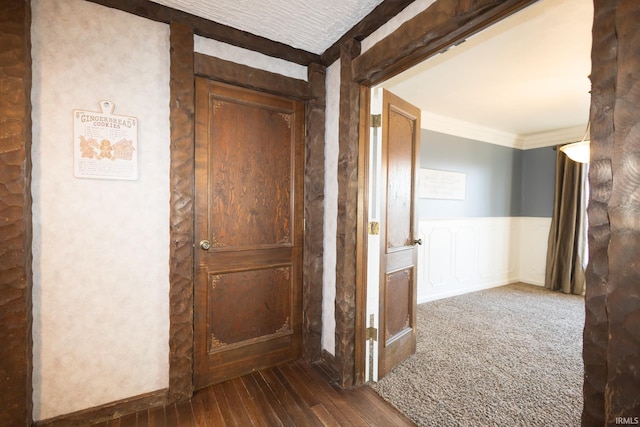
185	65
432	31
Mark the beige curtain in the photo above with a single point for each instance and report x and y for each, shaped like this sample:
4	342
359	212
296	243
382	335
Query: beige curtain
567	249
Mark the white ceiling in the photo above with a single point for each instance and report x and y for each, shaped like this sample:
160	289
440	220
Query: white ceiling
525	75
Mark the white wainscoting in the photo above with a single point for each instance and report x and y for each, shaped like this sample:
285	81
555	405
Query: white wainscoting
469	254
534	237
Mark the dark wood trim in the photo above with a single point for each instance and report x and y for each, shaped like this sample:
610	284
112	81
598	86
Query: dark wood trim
213	30
109	411
362	237
347	217
603	93
327	364
363	29
251	78
16	280
314	214
181	269
441	25
622	301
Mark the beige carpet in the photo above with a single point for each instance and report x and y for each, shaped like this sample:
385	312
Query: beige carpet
508	356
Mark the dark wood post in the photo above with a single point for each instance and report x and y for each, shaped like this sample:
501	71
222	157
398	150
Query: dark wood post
346	239
15	214
596	332
181	220
314	214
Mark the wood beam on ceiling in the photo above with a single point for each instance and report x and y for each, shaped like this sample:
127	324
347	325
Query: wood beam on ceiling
363	29
213	30
431	31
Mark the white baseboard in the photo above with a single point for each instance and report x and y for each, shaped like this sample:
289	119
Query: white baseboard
461	291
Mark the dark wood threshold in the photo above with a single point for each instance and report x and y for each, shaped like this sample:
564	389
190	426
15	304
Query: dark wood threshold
293	394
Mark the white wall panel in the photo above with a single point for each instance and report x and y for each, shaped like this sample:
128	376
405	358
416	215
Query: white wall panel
534	236
468	254
440	256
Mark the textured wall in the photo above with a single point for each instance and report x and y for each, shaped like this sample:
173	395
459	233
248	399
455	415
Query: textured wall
247	57
101	287
330	207
15	214
393	24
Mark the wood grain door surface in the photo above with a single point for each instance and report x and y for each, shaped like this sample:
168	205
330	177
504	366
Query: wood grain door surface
249	230
398	257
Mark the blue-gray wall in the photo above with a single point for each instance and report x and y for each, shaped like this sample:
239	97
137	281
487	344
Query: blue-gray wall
501	181
538	181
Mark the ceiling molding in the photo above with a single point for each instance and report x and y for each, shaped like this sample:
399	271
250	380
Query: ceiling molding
468	130
462	129
554	137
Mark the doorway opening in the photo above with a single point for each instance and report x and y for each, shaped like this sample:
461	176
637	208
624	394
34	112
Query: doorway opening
448	273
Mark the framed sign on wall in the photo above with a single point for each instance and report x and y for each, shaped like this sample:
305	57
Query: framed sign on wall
105	145
439	184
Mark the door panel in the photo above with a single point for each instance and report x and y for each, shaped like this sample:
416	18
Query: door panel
270	302
398	258
401	130
249	159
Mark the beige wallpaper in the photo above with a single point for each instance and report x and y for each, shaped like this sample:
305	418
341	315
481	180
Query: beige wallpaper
331	150
101	287
248	57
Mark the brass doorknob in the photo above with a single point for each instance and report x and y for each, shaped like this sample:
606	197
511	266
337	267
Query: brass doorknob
205	245
417	242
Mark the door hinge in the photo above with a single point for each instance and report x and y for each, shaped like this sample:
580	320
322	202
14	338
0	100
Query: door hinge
374	228
372	334
376	120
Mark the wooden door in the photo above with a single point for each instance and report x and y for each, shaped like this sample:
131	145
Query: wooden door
249	229
398	251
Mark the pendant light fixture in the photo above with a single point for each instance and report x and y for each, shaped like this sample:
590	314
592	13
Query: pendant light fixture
578	151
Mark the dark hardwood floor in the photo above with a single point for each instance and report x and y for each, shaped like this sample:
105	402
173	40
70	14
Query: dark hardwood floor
295	394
